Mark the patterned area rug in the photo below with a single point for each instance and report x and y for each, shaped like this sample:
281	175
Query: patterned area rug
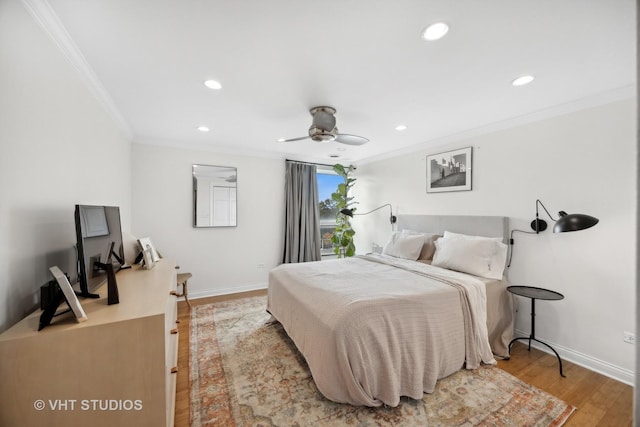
245	371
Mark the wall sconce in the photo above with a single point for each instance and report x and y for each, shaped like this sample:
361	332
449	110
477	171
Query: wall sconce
565	221
350	213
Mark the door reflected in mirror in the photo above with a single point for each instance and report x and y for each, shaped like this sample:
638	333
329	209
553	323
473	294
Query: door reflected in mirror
214	196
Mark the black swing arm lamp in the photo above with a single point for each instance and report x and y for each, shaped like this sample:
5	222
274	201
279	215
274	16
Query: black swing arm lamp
565	221
350	213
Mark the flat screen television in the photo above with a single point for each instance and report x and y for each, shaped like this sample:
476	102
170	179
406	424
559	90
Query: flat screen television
99	242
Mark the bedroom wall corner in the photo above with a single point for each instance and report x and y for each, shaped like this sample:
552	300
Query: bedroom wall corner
582	162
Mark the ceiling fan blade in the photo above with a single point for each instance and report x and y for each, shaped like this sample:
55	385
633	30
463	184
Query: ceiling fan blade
294	139
344	138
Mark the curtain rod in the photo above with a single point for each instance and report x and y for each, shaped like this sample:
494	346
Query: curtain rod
311	163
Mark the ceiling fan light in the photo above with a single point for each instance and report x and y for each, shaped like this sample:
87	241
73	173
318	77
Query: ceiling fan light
435	31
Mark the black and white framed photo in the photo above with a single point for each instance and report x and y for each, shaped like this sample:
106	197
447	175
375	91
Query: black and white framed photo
449	171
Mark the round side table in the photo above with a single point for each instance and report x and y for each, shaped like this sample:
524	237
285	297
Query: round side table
535	293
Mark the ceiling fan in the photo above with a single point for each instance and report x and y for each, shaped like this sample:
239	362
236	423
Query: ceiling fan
323	129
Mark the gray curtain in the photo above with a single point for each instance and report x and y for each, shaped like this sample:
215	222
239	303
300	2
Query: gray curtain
302	222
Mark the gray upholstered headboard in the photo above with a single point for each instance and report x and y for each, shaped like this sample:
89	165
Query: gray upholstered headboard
487	226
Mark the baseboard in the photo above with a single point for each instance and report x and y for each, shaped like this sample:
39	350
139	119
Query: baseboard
600	366
227	291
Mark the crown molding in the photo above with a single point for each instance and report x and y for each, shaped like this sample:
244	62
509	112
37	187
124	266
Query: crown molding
602	98
45	16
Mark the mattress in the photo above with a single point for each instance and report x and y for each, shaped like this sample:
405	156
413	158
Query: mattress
374	328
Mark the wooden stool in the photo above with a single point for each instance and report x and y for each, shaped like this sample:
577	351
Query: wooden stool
182	280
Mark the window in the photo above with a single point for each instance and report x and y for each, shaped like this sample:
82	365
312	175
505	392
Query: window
327	183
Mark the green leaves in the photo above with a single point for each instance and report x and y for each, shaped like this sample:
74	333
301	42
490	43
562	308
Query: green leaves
339	169
342	237
351	250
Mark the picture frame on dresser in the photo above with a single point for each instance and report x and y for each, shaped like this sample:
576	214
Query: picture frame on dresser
450	171
67	294
150	254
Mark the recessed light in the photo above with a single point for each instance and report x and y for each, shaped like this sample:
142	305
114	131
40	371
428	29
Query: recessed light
341	149
435	31
523	80
203	129
401	127
213	84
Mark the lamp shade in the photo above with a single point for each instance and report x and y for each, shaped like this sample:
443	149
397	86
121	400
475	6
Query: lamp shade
573	222
347	212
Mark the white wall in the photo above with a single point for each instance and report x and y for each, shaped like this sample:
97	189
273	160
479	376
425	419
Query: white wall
58	148
222	259
584	162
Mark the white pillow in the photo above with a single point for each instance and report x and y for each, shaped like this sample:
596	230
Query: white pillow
452	235
499	258
480	256
428	248
467	256
404	246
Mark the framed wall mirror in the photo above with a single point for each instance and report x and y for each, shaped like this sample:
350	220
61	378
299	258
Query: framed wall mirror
214	196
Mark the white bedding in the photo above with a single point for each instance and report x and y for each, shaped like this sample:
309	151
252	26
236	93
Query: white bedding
375	328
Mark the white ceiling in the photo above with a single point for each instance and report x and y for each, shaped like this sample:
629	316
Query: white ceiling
276	59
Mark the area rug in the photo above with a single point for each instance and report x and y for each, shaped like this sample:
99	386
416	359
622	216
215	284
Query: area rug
245	371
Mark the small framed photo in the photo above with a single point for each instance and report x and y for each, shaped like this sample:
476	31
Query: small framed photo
449	171
69	294
150	254
147	257
146	243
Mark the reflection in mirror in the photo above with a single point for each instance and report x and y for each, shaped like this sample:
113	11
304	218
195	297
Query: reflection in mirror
214	196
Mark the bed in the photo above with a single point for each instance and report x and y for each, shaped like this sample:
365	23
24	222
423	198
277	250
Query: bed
376	327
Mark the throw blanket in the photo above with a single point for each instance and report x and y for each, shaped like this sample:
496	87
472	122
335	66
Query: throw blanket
474	305
373	328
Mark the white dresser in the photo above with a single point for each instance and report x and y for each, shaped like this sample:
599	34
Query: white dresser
114	369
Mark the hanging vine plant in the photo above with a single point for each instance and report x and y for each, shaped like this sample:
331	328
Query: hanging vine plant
342	237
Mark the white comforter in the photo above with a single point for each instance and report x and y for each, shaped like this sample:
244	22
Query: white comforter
375	328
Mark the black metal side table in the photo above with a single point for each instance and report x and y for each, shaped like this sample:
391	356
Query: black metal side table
535	293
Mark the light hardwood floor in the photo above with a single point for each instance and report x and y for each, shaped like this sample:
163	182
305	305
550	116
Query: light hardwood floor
600	400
